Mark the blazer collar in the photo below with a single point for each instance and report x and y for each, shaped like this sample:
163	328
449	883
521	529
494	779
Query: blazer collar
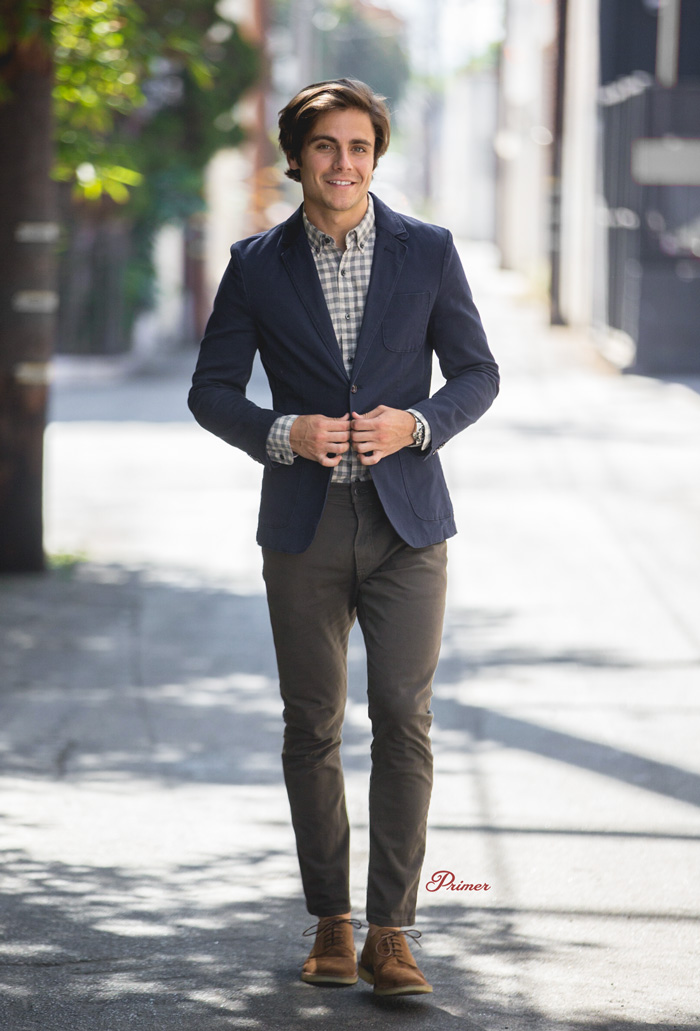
385	219
389	220
299	261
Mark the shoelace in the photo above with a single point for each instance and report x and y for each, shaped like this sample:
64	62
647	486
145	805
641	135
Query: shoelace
389	944
330	930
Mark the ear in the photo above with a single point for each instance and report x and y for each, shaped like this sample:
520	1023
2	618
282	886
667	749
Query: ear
294	165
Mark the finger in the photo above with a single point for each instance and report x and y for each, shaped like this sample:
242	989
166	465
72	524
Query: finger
324	437
371	458
330	460
340	427
329	422
363	425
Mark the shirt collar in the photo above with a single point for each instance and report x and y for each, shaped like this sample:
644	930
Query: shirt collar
318	239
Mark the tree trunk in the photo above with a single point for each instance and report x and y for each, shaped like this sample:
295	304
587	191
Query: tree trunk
28	297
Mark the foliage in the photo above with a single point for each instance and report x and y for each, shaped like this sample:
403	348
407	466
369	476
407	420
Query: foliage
129	76
144	95
188	115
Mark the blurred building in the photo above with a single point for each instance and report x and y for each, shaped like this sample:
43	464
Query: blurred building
240	183
599	170
302	41
464	180
524	137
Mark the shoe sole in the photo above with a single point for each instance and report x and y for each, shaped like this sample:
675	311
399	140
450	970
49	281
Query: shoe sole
408	989
339	982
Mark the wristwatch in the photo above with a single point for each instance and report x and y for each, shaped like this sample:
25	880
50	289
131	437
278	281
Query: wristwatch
419	432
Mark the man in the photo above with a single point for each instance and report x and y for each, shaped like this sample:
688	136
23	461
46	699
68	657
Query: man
346	302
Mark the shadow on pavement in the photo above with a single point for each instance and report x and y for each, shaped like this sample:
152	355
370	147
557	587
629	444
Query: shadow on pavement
483	724
188	675
106	949
108	672
480	724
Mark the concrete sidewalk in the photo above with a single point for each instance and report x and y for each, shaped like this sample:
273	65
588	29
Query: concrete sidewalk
148	865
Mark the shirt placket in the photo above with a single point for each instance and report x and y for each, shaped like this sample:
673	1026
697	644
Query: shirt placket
348	329
346	306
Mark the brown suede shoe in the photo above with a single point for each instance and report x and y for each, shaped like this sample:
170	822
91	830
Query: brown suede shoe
387	963
333	959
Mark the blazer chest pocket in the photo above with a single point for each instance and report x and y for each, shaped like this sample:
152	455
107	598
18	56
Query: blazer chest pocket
406	321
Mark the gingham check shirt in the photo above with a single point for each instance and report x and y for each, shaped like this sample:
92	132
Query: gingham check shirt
344	277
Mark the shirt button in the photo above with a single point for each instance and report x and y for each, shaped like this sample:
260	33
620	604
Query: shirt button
342	271
347	314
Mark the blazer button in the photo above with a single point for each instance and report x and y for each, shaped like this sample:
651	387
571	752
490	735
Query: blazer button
353	388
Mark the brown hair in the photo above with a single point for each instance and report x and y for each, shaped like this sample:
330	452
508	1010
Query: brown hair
297	118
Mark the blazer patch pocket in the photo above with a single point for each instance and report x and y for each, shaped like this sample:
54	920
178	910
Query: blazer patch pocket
405	323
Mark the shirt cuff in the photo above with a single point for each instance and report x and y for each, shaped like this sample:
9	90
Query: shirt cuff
426	428
277	445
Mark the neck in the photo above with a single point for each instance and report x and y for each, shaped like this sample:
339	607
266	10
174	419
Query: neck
335	223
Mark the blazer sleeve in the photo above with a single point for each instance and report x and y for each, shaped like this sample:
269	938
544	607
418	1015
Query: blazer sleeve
217	398
457	336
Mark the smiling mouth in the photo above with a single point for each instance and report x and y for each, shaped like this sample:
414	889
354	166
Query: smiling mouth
340	182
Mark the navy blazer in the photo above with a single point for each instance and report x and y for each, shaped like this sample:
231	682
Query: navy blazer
270	300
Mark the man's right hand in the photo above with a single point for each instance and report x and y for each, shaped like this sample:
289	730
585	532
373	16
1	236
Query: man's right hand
320	438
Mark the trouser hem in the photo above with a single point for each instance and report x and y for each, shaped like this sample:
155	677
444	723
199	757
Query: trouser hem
388	921
323	911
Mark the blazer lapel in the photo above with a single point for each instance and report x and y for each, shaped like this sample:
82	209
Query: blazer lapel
300	265
389	256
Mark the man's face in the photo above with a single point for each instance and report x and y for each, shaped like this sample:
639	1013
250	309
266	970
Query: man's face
337	161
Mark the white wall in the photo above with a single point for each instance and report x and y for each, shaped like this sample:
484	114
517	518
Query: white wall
466	179
167	325
581	257
523	143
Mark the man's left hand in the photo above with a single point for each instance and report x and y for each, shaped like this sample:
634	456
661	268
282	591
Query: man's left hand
381	432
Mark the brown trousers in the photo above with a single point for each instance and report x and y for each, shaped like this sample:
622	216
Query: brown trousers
358	566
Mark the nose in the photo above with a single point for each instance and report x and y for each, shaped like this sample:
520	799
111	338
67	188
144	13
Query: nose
342	158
